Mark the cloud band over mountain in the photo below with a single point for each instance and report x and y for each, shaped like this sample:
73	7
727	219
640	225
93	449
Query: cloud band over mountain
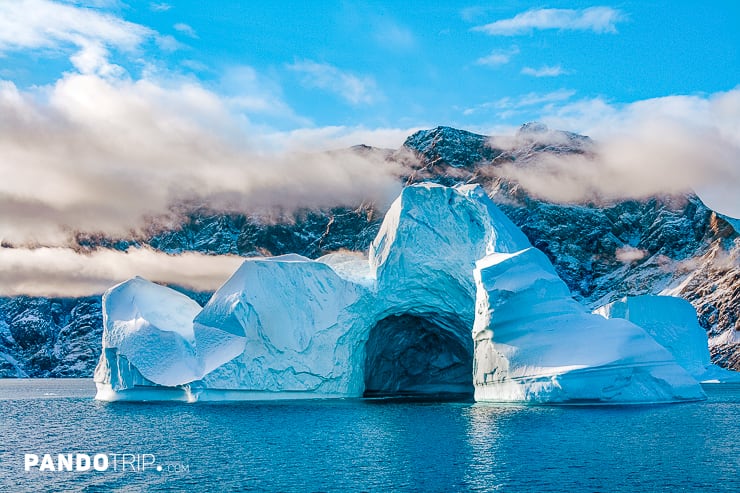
105	156
654	147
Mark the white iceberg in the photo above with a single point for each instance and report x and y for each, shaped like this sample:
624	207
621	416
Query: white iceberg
534	343
401	321
148	338
423	259
301	322
673	323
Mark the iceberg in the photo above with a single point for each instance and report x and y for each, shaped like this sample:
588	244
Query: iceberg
673	323
148	339
423	259
450	299
300	321
534	343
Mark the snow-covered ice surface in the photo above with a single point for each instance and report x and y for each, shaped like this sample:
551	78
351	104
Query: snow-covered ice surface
396	322
300	322
534	343
147	337
672	322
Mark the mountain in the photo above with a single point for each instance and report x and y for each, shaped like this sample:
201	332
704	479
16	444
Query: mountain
670	244
49	337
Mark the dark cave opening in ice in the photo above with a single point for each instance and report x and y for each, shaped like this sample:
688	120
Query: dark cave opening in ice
411	355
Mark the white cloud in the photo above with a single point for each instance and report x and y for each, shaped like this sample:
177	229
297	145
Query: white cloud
498	57
99	152
108	4
596	19
535	99
544	71
513	140
195	65
628	254
159	7
47	25
352	88
168	43
186	30
583	116
246	90
339	137
65	272
99	155
658	146
511	106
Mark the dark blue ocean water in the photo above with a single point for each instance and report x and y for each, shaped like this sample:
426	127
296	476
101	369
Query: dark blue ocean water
356	445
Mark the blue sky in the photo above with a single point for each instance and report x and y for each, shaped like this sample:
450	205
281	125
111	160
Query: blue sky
416	63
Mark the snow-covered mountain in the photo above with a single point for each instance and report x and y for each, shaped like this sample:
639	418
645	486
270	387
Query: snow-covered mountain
49	337
672	244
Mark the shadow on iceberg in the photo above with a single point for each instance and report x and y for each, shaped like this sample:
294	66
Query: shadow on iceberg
451	299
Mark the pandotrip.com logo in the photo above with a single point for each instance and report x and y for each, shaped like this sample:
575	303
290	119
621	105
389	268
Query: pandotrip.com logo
100	462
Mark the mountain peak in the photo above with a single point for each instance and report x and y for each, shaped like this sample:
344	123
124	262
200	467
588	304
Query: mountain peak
443	133
451	146
540	135
533	128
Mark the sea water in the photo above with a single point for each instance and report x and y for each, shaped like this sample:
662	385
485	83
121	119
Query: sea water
364	445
